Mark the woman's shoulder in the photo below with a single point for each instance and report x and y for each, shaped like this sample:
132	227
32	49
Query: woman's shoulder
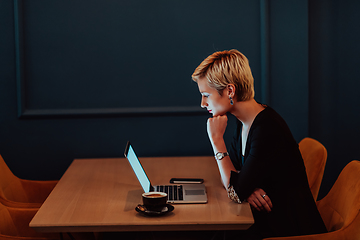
268	116
269	122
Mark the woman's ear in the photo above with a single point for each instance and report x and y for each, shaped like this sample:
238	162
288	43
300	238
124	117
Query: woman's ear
231	90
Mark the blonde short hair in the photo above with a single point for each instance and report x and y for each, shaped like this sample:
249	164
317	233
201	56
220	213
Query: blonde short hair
227	67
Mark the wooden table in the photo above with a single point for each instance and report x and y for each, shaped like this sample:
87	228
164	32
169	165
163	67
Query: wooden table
100	195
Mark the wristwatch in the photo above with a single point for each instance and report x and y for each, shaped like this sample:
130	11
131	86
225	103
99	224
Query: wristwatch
221	155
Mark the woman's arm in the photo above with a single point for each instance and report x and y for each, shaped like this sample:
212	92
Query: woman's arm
216	128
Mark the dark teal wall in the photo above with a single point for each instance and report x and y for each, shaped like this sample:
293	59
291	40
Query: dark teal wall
334	75
79	79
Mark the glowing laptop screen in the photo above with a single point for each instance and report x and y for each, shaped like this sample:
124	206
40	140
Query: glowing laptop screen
138	169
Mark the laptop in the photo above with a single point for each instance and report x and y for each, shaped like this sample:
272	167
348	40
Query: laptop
182	193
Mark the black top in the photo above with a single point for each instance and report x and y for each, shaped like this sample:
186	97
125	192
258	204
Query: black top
273	163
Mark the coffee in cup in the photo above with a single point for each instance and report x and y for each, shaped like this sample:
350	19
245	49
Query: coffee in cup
154	200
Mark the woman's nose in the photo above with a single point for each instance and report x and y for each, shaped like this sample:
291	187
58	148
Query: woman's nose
203	103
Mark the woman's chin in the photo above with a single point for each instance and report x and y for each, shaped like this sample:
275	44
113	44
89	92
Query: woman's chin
218	114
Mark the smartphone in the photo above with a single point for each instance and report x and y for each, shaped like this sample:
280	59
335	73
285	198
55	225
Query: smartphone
186	180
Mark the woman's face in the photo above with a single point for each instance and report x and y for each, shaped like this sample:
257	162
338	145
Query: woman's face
216	104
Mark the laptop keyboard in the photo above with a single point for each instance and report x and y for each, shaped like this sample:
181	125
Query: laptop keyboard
174	192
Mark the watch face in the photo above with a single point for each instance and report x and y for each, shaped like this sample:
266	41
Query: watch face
221	155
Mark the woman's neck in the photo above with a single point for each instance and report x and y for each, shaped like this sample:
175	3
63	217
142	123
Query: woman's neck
246	111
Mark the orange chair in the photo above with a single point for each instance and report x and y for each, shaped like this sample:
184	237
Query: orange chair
16	192
14	224
314	155
340	208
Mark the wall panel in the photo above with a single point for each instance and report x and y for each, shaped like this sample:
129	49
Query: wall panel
110	58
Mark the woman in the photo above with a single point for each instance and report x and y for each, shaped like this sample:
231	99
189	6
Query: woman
264	165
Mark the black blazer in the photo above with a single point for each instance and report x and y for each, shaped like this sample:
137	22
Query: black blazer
273	162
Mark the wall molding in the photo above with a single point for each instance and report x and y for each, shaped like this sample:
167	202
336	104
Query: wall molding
24	112
19	59
111	112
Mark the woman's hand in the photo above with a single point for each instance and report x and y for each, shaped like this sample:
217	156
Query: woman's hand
216	127
260	200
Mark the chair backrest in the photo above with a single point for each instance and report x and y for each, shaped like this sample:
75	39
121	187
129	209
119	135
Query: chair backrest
10	185
314	155
341	206
7	226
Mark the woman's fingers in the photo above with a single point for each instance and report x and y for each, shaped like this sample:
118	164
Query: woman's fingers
257	204
260	200
264	203
216	126
268	200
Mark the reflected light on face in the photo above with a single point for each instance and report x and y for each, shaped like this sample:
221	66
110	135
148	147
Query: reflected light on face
211	99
